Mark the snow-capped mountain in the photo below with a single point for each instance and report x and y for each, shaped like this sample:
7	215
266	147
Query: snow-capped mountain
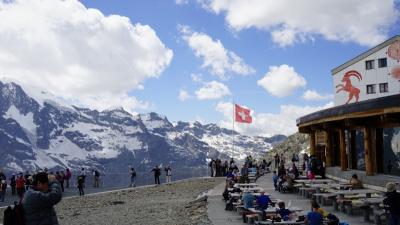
39	130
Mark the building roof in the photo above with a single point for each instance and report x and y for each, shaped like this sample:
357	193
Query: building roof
365	54
377	106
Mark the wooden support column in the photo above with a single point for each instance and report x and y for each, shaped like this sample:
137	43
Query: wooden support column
369	164
312	143
328	148
343	156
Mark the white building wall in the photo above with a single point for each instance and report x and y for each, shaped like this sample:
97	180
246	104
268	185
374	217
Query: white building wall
372	76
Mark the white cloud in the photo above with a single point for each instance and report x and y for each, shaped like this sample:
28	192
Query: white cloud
181	2
365	22
78	53
215	57
212	90
268	124
183	95
281	80
312	95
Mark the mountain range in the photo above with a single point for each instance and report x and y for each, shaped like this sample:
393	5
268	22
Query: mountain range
39	130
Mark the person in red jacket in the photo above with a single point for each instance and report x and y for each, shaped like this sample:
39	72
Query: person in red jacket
68	176
20	185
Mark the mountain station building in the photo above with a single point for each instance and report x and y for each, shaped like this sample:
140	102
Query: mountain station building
361	133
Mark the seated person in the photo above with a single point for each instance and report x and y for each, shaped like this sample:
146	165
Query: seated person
355	182
263	200
230	175
282	212
248	200
314	217
322	211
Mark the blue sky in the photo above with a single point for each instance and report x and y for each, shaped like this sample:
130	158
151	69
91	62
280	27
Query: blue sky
263	34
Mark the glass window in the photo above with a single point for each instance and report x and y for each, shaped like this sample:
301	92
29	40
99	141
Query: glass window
391	150
382	63
371	89
383	87
369	64
360	150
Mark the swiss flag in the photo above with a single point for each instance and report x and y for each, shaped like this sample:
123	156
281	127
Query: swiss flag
242	115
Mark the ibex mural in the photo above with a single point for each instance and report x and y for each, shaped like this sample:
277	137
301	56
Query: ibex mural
347	86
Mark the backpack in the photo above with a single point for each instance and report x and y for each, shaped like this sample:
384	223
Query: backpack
96	173
14	215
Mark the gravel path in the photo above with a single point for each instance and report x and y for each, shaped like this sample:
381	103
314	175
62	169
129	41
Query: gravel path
165	204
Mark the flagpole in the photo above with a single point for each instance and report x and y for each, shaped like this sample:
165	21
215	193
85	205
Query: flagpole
233	126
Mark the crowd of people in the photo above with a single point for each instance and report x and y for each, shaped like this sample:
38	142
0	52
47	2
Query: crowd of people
20	183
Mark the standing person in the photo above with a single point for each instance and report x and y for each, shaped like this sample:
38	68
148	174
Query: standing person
60	180
157	172
2	176
3	188
96	175
12	184
214	168
20	185
82	173
211	167
27	180
392	200
81	184
133	177
68	176
168	174
39	200
276	158
244	172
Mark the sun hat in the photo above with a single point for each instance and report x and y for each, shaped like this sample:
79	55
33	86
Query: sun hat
390	186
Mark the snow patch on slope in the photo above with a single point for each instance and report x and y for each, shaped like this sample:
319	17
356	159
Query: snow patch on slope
25	121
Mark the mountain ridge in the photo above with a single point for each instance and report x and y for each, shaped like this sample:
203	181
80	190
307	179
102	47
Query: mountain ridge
36	132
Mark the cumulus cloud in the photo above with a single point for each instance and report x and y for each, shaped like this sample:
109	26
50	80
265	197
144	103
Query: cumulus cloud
212	90
365	22
216	58
78	53
312	95
281	80
268	124
183	95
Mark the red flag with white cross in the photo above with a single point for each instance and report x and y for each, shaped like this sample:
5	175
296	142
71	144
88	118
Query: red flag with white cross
242	115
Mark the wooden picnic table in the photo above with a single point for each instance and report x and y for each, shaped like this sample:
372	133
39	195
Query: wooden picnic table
245	185
255	189
367	192
368	204
318	181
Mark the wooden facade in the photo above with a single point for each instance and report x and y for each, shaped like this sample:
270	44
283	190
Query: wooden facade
337	127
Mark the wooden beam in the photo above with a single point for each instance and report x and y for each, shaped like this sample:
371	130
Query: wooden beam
343	156
369	165
328	148
312	143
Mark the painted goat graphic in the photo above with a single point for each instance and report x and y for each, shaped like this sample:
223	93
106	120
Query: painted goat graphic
348	87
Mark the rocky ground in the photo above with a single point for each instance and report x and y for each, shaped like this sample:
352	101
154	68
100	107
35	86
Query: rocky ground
165	204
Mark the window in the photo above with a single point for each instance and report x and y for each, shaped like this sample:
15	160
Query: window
371	89
369	64
382	63
383	87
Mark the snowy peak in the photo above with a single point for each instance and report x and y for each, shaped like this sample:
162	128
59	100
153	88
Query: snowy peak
154	122
40	130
